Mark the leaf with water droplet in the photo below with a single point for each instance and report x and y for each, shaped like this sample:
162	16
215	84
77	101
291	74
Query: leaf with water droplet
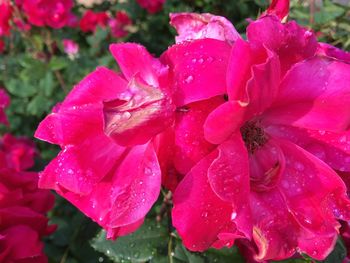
140	246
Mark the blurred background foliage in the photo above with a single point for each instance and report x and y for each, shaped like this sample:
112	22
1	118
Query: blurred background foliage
37	73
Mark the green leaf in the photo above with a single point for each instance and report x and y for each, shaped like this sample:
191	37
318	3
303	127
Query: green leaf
47	84
38	105
140	246
328	13
20	88
224	255
57	63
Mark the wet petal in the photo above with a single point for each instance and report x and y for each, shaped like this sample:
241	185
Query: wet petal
78	168
289	41
271	223
314	95
199	215
224	121
253	77
229	173
331	147
190	63
190	144
133	188
134	59
146	113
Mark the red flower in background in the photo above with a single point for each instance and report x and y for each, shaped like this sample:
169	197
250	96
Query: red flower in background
52	13
23	222
5	16
152	6
4	101
16	153
91	20
119	24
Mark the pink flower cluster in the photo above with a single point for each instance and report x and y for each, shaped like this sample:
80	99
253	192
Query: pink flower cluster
118	24
22	205
248	134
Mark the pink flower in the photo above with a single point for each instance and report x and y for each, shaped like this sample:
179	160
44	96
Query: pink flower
16	153
5	16
4	102
52	13
109	120
152	6
70	47
91	20
110	128
23	222
262	182
119	24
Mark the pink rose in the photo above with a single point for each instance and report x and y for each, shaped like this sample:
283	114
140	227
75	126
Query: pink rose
52	13
16	153
23	221
91	20
5	16
114	124
70	47
119	23
270	178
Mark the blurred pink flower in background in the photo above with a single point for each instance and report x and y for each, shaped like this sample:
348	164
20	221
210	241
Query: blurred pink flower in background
152	6
23	221
52	13
4	100
119	24
16	152
91	20
5	16
71	48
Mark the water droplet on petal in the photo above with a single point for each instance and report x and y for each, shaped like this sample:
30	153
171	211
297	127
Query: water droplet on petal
189	79
233	215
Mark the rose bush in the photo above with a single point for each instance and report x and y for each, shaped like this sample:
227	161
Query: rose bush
227	138
232	163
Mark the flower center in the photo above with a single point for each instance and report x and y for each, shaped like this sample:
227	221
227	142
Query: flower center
253	136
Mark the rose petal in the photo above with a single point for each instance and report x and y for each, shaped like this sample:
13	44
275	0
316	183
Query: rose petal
190	62
314	95
199	215
190	26
134	59
290	42
190	144
253	77
224	121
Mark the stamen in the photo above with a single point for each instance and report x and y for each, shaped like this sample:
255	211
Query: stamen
253	136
